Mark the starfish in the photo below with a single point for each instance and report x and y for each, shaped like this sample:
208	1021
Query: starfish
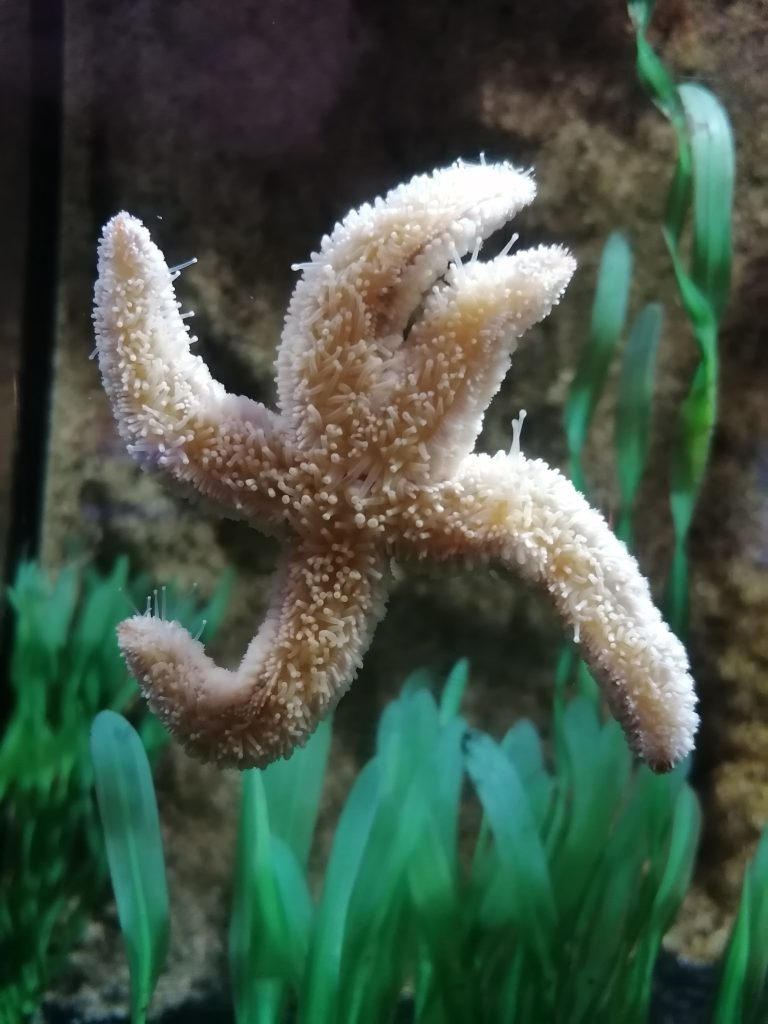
392	349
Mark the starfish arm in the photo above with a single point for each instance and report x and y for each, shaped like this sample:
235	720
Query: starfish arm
355	297
171	413
323	609
530	518
458	354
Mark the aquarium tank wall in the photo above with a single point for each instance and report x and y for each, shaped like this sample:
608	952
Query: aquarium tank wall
467	771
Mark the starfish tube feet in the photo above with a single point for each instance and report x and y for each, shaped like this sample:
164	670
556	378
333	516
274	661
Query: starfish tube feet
531	518
321	616
458	351
173	416
375	267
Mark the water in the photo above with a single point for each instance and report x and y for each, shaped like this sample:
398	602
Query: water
241	134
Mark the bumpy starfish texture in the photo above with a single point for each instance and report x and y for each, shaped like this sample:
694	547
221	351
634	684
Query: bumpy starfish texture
392	349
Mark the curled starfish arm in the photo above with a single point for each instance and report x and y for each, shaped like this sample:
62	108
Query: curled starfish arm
529	517
458	351
173	415
324	606
355	297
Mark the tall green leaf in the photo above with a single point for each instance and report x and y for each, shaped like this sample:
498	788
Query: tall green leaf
609	310
700	199
743	991
126	798
633	410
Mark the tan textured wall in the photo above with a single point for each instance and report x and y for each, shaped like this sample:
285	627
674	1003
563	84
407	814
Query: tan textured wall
240	133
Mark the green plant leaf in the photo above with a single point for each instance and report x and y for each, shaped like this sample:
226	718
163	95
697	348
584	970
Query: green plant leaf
453	690
609	310
293	790
743	990
271	914
633	410
523	890
128	809
713	169
320	994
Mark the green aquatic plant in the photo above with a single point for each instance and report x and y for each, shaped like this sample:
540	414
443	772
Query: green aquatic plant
128	810
697	231
476	877
609	311
467	872
634	398
743	993
64	668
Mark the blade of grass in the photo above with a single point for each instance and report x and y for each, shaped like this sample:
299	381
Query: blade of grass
633	411
591	751
674	872
444	990
453	690
524	882
609	310
743	990
60	678
319	998
522	745
271	915
712	154
701	191
126	798
373	960
407	744
293	789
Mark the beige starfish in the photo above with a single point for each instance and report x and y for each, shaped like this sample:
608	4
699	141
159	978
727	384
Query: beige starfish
388	360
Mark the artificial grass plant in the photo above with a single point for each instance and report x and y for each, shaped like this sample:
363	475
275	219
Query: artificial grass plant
128	811
697	231
64	668
472	874
507	925
483	881
743	993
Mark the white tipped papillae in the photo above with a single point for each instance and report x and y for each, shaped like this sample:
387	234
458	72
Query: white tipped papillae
527	516
396	339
